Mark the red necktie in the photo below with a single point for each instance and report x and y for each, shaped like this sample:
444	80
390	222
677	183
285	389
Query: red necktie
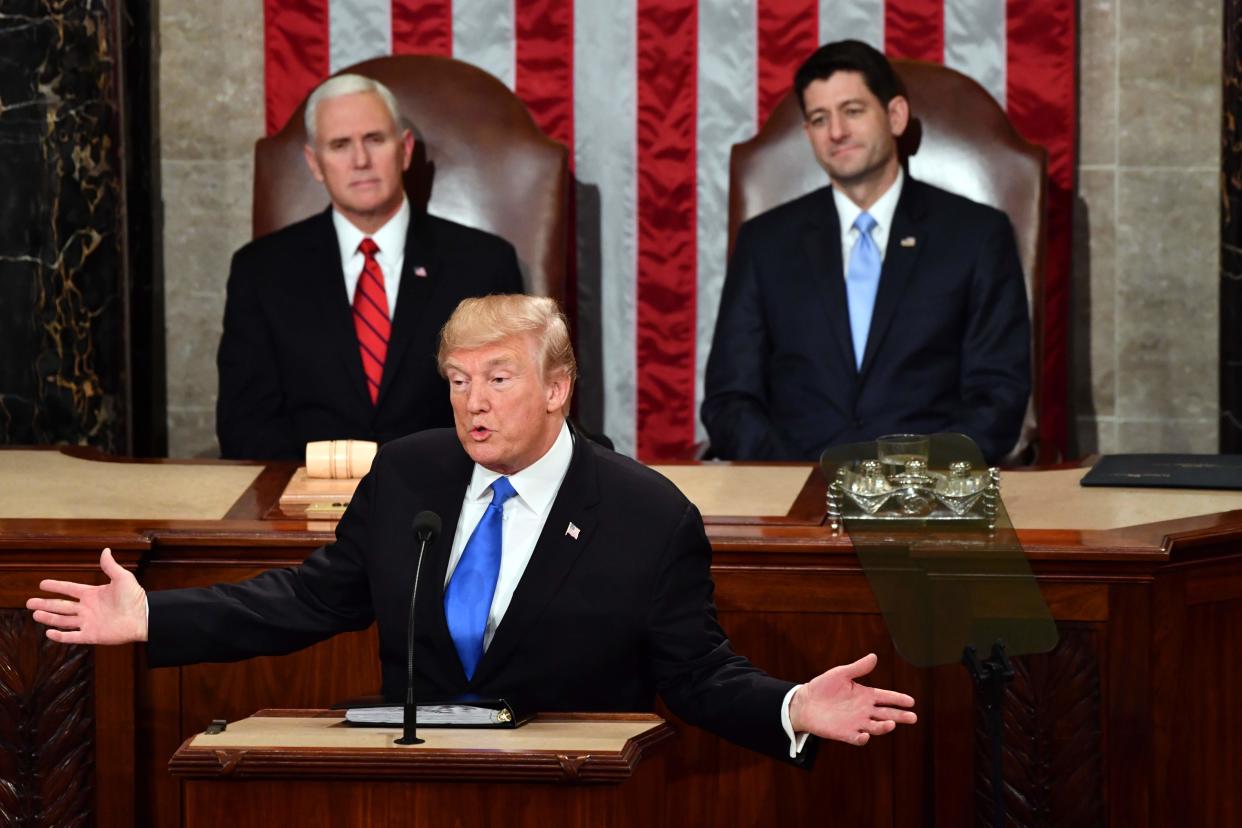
371	317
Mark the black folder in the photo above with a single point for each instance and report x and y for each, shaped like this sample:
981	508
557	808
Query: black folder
1167	471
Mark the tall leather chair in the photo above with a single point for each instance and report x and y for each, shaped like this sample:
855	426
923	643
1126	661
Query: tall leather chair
480	160
959	140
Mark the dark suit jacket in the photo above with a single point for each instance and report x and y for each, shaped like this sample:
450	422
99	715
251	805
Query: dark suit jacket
290	371
948	348
603	621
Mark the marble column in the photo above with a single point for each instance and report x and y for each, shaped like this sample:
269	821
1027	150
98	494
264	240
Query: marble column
1231	234
63	300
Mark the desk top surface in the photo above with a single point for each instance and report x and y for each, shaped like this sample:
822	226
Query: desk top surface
51	484
64	497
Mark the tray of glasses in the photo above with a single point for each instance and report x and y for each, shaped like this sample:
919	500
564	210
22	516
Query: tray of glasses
863	492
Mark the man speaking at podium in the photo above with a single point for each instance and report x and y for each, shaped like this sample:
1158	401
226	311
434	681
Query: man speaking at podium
567	577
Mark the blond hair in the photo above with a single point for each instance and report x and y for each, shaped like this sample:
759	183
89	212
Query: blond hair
347	84
487	320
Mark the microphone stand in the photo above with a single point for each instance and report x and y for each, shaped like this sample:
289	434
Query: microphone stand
426	527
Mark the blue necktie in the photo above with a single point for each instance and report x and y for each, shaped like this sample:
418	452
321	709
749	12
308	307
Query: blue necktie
468	598
862	280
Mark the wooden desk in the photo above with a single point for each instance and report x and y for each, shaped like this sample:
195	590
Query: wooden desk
301	767
1130	721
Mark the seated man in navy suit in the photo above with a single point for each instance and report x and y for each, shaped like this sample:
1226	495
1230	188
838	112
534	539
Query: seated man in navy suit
330	324
873	306
567	577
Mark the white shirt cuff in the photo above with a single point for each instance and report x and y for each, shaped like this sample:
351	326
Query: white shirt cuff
797	741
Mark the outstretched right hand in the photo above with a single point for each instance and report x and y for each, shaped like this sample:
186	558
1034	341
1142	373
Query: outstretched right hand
111	613
835	706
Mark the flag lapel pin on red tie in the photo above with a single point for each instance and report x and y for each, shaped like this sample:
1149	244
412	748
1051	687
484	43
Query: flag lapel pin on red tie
572	531
420	272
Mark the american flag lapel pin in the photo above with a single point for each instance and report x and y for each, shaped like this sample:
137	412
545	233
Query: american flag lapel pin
572	530
420	272
908	241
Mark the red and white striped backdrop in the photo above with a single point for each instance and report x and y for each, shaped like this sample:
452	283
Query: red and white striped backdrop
649	95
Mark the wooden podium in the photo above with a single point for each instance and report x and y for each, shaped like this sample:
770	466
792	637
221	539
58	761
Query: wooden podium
307	767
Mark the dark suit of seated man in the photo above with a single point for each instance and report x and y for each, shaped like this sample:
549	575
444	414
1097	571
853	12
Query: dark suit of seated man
829	333
567	577
324	337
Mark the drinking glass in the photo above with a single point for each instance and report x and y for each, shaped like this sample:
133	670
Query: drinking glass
896	450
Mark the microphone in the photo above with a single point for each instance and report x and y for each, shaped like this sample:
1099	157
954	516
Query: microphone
426	528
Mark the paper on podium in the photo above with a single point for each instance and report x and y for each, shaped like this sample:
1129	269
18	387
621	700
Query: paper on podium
435	715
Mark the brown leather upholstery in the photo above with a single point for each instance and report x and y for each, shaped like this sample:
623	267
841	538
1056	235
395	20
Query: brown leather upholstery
480	160
960	140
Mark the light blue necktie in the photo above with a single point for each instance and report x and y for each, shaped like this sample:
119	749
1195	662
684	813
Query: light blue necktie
862	280
468	598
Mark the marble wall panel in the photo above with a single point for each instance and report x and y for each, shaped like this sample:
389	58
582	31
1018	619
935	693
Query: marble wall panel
1093	307
62	293
1092	358
211	80
192	431
196	338
1144	363
1097	82
208	130
1101	436
1167	435
212	219
1166	296
1093	299
1169	82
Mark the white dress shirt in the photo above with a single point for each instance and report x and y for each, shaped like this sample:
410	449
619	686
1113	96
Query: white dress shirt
521	524
882	211
391	256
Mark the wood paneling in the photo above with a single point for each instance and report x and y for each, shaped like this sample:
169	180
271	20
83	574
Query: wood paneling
342	786
47	727
1052	750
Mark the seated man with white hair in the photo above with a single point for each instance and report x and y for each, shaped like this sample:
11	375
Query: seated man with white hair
566	578
330	324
